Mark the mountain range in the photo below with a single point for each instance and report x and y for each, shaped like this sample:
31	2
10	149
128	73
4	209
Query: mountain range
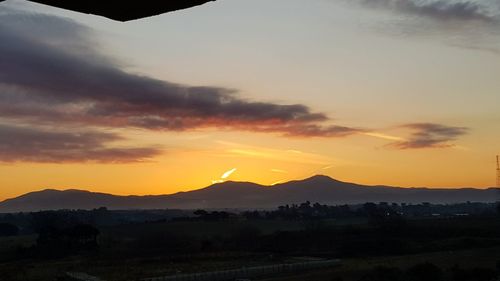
231	194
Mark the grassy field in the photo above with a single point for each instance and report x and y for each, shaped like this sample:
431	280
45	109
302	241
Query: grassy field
133	269
353	269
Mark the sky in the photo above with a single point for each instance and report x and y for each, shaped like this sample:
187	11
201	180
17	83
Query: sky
392	92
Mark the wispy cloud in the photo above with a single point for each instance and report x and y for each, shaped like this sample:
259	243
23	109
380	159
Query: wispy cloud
430	135
224	176
328	167
28	144
279	171
383	136
232	149
228	173
443	10
469	24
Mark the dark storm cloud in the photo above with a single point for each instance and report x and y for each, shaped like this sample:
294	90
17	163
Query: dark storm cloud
28	144
430	135
441	9
47	79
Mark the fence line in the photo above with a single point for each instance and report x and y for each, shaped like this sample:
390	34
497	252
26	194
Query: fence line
246	272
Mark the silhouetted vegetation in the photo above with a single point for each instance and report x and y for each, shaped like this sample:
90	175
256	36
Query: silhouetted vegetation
213	216
217	237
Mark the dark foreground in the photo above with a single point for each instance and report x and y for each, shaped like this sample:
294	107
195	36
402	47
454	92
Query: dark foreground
372	245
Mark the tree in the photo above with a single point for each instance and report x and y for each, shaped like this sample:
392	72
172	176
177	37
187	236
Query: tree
200	213
83	234
370	209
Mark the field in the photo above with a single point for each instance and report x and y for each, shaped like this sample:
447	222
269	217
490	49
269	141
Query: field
134	251
353	269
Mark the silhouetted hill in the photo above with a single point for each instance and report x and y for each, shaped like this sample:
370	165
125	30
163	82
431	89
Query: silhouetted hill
231	194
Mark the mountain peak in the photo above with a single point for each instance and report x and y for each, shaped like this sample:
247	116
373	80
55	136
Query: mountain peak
232	184
320	179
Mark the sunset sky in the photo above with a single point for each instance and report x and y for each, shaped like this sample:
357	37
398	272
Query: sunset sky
393	92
